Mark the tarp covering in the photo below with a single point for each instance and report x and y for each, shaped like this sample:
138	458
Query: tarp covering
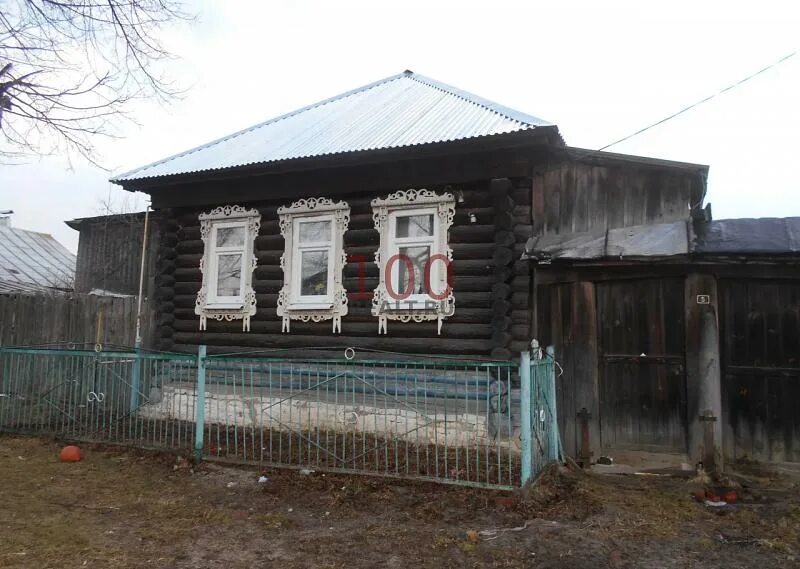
641	241
766	236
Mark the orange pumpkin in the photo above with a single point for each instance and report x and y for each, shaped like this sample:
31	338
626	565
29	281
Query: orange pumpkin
70	453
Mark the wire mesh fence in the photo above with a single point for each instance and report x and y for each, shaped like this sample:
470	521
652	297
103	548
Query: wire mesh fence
455	422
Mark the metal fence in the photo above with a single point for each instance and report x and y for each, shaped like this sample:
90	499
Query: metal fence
94	396
542	444
455	422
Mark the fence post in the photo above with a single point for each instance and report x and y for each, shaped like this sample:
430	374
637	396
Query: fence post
136	379
525	415
555	437
200	403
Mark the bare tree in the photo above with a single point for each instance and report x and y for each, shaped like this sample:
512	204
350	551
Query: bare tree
68	67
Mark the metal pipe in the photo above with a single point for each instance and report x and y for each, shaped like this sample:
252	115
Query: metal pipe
200	404
136	379
138	341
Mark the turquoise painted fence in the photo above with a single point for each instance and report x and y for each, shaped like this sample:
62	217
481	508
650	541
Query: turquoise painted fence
461	422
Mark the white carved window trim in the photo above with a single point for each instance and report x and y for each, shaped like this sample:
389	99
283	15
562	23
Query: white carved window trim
208	304
384	213
292	306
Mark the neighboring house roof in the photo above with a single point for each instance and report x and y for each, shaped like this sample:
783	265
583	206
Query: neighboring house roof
402	110
753	237
78	223
764	236
31	261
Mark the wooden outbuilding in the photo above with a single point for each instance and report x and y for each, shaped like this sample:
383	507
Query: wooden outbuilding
680	338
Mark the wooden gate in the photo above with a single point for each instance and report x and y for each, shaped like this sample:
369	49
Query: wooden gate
642	371
760	338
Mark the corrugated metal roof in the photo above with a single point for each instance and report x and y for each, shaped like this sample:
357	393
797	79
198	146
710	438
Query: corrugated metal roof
16	287
403	110
30	259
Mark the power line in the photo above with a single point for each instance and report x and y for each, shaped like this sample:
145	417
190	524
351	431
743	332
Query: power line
705	100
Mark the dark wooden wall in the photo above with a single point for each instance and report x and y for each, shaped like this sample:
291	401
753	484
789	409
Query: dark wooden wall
602	319
568	322
492	288
589	193
761	368
110	253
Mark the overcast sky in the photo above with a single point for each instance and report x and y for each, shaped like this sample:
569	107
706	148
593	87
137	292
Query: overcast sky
600	70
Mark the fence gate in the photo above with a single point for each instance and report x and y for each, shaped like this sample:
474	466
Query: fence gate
642	371
541	441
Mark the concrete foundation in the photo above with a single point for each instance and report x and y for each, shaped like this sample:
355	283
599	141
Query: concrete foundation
451	422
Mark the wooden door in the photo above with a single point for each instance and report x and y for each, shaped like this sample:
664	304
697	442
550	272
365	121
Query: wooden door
642	365
760	339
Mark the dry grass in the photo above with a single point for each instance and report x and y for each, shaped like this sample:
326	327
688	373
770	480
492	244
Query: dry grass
130	509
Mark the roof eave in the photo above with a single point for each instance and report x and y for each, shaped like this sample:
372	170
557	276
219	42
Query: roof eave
577	153
548	135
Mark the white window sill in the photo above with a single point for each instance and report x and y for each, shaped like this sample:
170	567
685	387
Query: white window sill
310	305
223	305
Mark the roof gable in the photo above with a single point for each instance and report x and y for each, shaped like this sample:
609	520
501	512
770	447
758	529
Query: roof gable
406	109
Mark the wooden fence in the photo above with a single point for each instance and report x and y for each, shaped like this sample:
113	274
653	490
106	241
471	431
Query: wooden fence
79	319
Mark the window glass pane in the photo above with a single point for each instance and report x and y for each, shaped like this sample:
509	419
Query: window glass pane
229	275
315	231
411	265
314	273
230	236
415	225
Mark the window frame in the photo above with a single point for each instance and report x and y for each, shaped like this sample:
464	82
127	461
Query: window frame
208	303
395	243
313	308
215	300
298	300
385	213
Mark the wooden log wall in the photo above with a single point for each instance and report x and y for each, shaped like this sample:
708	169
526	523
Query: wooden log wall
491	287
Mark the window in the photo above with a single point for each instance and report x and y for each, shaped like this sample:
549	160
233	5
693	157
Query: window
312	252
312	262
227	265
414	257
226	286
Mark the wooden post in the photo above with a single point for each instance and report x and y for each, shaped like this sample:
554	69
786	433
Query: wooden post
584	450
585	364
703	375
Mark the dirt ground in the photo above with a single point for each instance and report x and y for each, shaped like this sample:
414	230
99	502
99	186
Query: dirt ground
122	508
